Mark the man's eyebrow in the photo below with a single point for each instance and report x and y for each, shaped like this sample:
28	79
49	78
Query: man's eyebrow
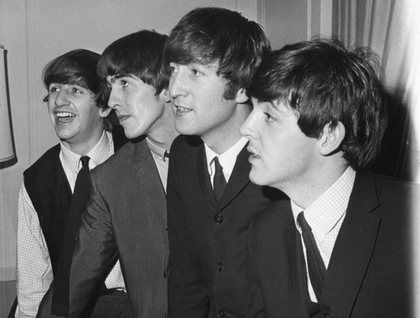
114	78
118	76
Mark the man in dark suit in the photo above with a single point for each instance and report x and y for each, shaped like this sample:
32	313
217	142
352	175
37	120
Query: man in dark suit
343	247
212	54
125	216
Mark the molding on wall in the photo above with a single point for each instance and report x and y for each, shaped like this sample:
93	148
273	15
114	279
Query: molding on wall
326	18
261	14
308	19
319	18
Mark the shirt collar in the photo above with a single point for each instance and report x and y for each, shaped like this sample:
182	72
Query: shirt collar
227	159
98	154
156	150
325	212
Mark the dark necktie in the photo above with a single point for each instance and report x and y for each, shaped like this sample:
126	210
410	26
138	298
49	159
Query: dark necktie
219	181
166	155
61	280
316	266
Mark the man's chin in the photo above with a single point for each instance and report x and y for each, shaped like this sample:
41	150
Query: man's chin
184	129
255	177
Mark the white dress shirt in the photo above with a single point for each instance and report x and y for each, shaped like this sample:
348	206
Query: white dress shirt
325	217
161	158
227	159
34	270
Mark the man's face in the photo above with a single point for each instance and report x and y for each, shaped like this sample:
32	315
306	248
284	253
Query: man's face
135	103
281	154
198	103
73	112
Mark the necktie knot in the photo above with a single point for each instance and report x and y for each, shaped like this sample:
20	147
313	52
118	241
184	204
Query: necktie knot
302	223
218	169
85	161
166	155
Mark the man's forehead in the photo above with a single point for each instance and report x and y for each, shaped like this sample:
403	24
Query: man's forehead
68	83
276	104
114	78
214	65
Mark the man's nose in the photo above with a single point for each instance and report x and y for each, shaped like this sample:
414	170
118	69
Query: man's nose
62	98
177	84
247	127
113	100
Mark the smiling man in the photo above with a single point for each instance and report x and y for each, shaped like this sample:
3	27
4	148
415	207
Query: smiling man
46	192
341	246
212	54
125	217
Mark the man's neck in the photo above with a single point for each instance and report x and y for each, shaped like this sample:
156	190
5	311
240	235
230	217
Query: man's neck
83	148
163	132
228	133
307	189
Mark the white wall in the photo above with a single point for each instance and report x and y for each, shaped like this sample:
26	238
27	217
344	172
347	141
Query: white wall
36	31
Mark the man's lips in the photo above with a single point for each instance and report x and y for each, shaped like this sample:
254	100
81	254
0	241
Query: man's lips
253	153
64	117
182	110
122	117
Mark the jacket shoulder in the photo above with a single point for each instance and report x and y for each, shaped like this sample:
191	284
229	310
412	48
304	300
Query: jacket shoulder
393	189
393	200
119	160
278	212
182	144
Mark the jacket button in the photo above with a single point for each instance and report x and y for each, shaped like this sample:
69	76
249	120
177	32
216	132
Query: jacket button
221	314
218	218
220	267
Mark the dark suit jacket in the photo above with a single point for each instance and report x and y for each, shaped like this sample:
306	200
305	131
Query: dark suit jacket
370	270
125	218
208	240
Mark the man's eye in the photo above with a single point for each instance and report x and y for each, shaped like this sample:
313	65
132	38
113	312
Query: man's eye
124	83
172	68
75	90
196	72
53	89
269	118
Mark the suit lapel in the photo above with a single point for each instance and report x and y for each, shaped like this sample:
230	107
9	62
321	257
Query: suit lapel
353	249
204	178
283	262
238	179
146	169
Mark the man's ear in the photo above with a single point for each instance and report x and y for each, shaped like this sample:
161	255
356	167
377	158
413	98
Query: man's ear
164	95
241	96
104	112
332	137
